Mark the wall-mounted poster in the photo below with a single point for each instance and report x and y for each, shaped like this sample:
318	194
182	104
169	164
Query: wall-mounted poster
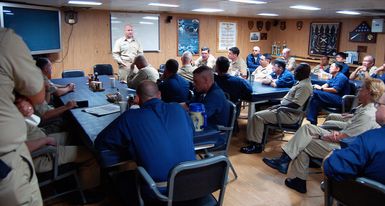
188	36
227	35
255	36
324	38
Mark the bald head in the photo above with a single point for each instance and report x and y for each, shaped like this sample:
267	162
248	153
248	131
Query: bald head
186	58
147	90
140	61
256	50
203	78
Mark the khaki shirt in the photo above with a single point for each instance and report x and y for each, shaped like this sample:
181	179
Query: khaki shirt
317	69
262	72
290	63
17	73
363	119
125	51
186	69
210	62
238	67
299	93
146	73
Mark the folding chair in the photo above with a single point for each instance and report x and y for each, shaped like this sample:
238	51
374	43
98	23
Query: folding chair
103	69
61	180
357	192
286	127
72	73
190	183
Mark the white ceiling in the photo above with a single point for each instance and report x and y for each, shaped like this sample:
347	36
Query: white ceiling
280	7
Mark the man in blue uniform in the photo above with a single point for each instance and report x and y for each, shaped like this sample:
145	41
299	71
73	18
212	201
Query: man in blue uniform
173	87
157	136
340	58
237	88
253	58
329	94
281	77
379	73
365	156
208	93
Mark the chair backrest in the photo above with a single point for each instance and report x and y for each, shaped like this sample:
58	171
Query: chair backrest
72	73
231	122
196	179
361	191
103	69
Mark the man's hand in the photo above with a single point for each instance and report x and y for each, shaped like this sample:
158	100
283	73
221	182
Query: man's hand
71	104
316	86
24	106
331	137
267	81
184	105
71	87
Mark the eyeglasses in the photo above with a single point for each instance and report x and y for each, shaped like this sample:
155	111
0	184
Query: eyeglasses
377	104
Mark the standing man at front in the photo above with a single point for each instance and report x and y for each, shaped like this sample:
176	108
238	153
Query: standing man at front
125	50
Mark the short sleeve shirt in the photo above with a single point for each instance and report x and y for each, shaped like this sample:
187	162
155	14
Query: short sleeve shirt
17	73
126	50
363	119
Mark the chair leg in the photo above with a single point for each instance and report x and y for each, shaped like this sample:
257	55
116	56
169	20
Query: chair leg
234	172
80	189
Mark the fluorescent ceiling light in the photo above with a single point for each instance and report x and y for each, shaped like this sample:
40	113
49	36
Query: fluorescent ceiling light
6	11
112	17
145	22
115	22
311	8
151	17
267	14
249	1
348	12
208	10
164	5
93	3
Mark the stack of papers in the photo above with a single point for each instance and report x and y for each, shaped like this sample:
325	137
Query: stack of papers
103	110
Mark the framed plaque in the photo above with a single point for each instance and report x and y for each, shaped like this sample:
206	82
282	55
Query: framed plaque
188	36
324	39
227	35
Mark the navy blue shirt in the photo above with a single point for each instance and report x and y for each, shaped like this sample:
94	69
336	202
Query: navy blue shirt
216	106
345	70
341	83
364	157
157	136
286	79
237	88
252	62
174	89
382	77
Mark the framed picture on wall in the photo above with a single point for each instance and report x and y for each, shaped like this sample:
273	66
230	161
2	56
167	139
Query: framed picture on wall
255	36
324	38
188	36
227	35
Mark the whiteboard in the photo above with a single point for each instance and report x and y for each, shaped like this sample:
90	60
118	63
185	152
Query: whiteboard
146	28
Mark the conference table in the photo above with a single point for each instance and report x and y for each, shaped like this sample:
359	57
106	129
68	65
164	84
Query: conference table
87	126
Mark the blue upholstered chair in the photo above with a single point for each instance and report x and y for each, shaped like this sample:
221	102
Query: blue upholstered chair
72	73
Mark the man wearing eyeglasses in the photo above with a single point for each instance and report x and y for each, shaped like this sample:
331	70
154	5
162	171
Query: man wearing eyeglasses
364	157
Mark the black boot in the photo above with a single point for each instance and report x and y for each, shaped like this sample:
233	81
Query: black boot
281	164
253	147
296	184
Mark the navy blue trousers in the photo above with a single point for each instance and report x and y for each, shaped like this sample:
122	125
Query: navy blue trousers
319	100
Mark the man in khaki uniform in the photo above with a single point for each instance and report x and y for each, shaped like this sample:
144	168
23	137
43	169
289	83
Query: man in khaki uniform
125	50
312	141
290	61
295	98
365	70
238	66
146	72
205	59
18	73
186	68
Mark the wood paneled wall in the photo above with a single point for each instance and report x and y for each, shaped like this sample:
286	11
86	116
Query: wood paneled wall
89	42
